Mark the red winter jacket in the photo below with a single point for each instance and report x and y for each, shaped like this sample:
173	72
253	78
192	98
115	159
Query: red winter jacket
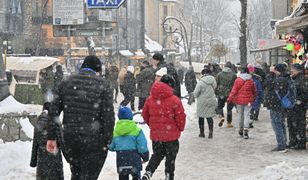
243	91
164	114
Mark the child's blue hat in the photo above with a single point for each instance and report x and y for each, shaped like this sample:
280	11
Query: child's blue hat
125	113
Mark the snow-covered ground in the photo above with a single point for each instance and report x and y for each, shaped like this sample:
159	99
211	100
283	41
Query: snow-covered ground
227	156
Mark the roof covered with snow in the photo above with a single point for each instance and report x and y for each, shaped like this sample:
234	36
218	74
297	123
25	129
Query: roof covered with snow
30	63
126	53
151	45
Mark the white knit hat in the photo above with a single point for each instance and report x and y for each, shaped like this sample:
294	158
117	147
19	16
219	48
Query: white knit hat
161	72
131	69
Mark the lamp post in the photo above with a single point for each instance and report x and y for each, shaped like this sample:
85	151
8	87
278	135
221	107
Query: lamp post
185	37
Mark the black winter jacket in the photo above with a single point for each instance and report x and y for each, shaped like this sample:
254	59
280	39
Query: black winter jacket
301	85
129	86
49	166
190	81
144	82
87	104
273	84
172	71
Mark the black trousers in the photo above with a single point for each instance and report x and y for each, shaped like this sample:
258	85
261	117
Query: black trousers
85	153
126	177
141	103
296	119
221	104
161	150
129	99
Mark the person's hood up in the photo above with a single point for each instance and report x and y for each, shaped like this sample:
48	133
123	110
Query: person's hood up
208	80
126	128
161	90
245	76
226	69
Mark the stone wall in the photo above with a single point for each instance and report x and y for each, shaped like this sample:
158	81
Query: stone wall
11	129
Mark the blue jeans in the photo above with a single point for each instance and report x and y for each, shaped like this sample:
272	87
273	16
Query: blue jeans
279	128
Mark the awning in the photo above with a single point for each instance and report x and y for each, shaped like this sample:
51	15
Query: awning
286	26
29	63
269	44
151	45
126	53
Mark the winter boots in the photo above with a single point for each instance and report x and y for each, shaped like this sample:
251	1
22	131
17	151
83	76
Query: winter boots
246	134
241	132
202	135
229	125
211	134
221	122
201	127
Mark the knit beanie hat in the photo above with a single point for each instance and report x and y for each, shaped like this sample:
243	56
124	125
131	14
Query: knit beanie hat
93	63
228	64
161	72
125	113
168	79
158	57
280	68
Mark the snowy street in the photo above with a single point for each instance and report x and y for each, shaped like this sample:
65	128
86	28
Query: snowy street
227	156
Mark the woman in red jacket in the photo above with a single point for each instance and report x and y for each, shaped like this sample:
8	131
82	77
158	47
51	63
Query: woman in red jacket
243	94
163	112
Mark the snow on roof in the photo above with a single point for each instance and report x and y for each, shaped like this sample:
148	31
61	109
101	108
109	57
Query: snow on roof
126	53
139	53
198	67
30	63
10	105
151	45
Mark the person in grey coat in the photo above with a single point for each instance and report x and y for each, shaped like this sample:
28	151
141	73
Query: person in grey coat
144	82
206	101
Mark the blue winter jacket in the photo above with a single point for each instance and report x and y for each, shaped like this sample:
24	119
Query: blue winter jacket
260	93
131	146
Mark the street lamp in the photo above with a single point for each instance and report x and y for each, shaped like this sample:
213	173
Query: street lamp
170	31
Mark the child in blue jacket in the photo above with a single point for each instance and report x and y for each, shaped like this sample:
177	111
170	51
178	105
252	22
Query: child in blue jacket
130	144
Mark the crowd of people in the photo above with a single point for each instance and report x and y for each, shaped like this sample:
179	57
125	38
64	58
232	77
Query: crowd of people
88	129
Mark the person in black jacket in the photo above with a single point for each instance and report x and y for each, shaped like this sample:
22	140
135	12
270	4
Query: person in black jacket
158	62
129	88
190	83
86	100
296	117
144	82
277	81
48	166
